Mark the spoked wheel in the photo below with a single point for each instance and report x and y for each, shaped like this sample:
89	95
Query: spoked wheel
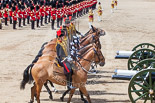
144	45
144	64
142	87
138	56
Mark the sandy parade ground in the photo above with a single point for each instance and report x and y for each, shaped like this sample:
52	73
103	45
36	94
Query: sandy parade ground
132	23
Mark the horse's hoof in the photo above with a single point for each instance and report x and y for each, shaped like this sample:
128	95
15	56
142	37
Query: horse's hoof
85	101
62	99
51	97
55	91
31	101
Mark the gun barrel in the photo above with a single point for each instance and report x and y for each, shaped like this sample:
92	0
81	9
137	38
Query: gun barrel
121	77
125	53
125	72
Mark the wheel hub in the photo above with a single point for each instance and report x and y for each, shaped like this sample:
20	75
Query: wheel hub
151	91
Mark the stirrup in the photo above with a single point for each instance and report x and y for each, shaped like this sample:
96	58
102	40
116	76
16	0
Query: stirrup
71	87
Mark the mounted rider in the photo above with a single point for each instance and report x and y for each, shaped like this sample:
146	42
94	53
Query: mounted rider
74	31
62	58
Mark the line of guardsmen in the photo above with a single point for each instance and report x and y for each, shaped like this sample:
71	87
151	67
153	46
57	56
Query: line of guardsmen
42	10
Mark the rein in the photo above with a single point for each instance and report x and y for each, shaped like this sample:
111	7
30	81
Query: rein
88	60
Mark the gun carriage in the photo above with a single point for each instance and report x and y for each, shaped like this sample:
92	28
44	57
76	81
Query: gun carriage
141	73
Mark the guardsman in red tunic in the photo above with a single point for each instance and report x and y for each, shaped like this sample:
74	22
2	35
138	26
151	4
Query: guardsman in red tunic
1	17
67	11
5	14
24	15
95	2
53	17
20	15
32	15
28	14
49	10
42	12
58	16
37	15
61	15
10	14
14	17
77	10
46	13
73	11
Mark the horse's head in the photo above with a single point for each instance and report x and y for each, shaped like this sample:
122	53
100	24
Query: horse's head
96	40
99	31
99	58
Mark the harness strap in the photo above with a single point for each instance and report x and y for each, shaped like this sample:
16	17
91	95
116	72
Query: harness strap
83	68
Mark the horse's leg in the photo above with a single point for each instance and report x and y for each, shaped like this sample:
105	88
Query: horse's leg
84	91
54	89
33	92
70	95
82	98
38	90
63	95
48	90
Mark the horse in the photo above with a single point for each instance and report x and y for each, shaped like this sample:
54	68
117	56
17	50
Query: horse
48	51
44	70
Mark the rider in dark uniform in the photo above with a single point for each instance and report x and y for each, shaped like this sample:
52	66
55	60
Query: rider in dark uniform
62	54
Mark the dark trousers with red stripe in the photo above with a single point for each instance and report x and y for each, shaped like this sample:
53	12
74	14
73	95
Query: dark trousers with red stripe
68	72
67	67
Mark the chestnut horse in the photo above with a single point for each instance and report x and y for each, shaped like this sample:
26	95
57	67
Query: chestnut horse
48	51
45	70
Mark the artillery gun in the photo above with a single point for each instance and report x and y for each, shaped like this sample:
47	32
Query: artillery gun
141	73
127	54
142	81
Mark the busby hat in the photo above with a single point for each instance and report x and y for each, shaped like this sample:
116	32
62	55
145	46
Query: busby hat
42	3
19	6
4	5
13	8
32	7
23	7
37	7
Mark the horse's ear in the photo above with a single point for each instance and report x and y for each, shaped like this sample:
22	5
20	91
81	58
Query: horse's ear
92	28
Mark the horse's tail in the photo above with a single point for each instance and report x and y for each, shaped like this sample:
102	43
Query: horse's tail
27	77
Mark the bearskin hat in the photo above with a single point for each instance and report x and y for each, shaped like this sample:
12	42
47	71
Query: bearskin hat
23	7
32	8
41	3
4	5
37	7
13	8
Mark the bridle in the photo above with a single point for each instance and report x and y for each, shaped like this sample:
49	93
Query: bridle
96	54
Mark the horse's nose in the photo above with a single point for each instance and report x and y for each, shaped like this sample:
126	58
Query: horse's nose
102	64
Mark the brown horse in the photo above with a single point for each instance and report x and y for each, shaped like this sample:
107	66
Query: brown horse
48	51
46	70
